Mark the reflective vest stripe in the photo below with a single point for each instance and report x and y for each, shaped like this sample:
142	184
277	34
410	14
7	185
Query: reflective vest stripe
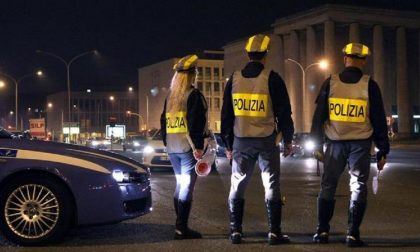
253	105
178	124
347	110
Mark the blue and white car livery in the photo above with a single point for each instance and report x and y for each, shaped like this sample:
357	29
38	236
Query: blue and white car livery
47	187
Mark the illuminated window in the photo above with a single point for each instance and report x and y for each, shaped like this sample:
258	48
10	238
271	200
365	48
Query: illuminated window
216	86
208	86
216	72
208	73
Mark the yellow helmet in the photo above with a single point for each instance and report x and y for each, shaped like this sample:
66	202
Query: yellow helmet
356	50
257	43
187	63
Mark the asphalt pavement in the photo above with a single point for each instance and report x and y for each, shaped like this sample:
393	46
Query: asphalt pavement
392	220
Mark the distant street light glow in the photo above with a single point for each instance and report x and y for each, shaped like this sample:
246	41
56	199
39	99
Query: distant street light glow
2	84
323	64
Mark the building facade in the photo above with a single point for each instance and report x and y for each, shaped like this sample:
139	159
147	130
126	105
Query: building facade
321	33
154	83
91	112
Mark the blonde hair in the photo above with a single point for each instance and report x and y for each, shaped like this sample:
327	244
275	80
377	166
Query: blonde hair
181	82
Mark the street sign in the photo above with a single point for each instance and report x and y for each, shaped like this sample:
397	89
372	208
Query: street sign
118	131
37	127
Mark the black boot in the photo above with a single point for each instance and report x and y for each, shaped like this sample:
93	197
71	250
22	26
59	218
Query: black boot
325	213
181	227
274	222
356	213
176	206
236	212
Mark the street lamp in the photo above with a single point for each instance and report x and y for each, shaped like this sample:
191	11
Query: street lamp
16	82
323	64
68	64
129	113
147	112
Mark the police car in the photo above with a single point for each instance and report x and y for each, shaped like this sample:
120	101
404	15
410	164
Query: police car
47	188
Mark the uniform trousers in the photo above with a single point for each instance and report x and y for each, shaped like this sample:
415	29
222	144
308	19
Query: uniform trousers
246	152
184	168
356	155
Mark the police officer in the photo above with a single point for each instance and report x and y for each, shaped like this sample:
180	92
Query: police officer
350	114
256	108
183	117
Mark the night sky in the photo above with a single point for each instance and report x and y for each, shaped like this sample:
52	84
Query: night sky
128	34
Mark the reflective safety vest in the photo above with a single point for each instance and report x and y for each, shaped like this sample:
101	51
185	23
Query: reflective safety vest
177	128
252	106
348	108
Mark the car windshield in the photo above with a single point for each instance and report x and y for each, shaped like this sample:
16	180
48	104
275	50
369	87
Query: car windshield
5	134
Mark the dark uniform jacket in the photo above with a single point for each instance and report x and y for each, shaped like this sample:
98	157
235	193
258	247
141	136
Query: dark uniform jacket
280	101
196	119
351	75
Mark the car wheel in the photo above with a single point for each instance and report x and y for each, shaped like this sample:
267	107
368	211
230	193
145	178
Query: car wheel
35	210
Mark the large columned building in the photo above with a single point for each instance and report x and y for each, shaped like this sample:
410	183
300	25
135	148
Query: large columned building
302	39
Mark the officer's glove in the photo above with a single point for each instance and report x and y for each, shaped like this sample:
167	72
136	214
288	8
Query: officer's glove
319	153
380	160
288	149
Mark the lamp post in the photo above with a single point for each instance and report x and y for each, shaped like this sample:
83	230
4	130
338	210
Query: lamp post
129	113
16	82
147	112
68	64
323	64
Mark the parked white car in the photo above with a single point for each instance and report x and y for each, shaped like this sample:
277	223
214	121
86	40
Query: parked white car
155	155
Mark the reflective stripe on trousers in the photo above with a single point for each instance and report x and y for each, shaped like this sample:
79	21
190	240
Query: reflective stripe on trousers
355	154
183	166
246	152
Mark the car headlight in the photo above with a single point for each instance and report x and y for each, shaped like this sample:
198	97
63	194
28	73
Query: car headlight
376	149
148	149
130	177
309	145
118	175
136	143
